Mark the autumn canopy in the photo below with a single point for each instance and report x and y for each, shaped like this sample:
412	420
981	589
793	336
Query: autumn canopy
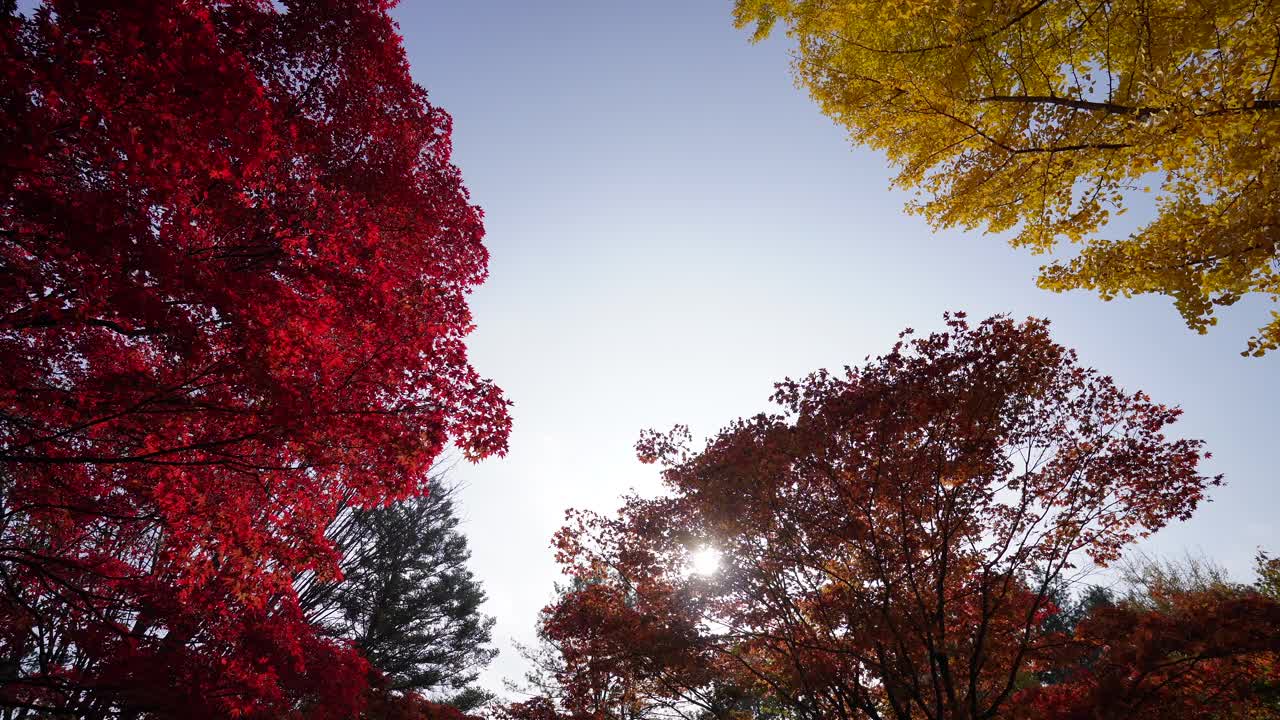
235	267
236	261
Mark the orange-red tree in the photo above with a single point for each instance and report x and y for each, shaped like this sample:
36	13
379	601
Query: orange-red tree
608	652
1200	654
236	259
889	540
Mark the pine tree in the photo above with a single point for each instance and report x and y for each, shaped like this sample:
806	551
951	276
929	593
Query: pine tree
407	599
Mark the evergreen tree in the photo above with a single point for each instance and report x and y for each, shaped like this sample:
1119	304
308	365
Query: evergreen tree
407	599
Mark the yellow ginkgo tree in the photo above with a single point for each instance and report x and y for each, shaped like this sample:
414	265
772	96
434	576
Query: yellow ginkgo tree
1049	117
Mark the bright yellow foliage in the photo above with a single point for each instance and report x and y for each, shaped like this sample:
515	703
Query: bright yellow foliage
1049	116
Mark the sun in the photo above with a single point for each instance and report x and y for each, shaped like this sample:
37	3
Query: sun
705	561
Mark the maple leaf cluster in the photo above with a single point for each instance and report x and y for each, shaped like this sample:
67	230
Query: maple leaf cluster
236	260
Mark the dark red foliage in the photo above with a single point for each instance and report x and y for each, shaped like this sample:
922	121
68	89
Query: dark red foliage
383	704
889	540
535	708
1203	655
236	260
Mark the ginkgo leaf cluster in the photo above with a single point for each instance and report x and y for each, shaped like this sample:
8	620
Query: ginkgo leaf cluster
1048	118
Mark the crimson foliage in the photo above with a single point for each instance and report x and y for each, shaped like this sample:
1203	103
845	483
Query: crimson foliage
236	261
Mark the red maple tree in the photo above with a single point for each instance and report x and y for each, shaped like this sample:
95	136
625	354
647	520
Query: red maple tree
889	541
236	259
382	703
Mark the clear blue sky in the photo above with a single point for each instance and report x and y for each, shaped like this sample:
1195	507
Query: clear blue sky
674	226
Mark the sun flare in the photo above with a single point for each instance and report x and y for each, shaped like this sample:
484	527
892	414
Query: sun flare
705	561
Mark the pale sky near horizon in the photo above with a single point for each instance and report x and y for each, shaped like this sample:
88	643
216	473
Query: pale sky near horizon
674	226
